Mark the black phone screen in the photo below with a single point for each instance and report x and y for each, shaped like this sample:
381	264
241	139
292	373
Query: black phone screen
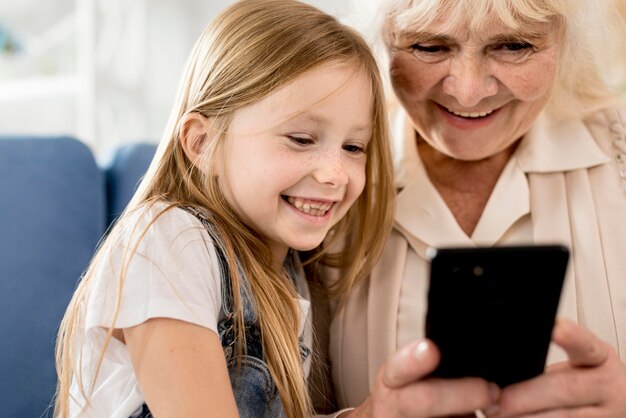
491	310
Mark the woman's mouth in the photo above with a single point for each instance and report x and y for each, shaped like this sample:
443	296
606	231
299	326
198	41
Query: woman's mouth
309	206
472	115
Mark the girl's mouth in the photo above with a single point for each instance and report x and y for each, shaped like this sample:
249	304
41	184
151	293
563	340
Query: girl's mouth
309	206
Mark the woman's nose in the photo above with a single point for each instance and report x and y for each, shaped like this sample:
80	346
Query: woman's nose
469	80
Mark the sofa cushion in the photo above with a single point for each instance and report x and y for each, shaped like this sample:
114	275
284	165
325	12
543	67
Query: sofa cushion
124	170
52	206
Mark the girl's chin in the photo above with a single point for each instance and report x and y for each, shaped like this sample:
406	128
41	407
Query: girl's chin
305	246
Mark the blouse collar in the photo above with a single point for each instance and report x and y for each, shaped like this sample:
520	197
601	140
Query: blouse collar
547	147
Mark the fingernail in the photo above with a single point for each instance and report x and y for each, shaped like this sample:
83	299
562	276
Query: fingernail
494	392
491	411
421	348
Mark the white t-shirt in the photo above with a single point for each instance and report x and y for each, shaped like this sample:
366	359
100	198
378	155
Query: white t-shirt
174	274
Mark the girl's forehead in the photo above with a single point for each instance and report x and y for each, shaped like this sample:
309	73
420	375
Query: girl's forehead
309	97
319	84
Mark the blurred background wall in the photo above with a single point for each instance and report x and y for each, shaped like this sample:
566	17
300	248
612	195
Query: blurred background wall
105	71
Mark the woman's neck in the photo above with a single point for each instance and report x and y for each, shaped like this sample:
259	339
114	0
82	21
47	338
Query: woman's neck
465	186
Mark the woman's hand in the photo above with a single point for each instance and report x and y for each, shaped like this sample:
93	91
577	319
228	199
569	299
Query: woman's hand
402	388
592	384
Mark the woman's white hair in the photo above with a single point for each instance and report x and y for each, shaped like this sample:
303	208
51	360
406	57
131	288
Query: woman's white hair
592	67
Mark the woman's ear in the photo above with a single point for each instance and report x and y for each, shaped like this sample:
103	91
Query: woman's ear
194	131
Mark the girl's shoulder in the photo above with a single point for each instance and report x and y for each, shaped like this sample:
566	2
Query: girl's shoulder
163	261
161	223
162	215
163	237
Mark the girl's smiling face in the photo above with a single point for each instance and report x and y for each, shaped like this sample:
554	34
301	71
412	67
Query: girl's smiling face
294	162
469	94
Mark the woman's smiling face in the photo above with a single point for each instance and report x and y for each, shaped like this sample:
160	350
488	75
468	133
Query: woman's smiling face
471	95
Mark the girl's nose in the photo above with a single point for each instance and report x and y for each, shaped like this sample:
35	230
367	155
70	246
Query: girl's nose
330	169
469	80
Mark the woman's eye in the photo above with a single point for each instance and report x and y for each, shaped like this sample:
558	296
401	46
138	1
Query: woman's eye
428	53
513	52
300	140
516	46
429	49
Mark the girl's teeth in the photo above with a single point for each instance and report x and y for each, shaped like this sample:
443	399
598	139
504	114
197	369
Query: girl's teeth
309	207
471	114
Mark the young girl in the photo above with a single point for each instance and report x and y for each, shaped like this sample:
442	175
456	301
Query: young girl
196	302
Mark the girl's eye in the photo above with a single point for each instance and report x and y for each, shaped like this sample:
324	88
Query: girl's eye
300	140
354	149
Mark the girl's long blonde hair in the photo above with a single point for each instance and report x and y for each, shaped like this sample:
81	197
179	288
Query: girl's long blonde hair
250	50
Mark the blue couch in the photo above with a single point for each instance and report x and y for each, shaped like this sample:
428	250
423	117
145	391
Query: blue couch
55	204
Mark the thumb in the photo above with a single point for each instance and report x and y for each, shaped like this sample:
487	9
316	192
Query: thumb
411	363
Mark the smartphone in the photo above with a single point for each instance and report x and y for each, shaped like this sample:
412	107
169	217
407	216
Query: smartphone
491	310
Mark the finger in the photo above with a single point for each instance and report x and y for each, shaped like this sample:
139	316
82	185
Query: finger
566	389
402	388
582	347
587	412
587	385
448	397
411	363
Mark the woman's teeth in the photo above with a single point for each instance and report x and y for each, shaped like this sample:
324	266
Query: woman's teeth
471	114
310	207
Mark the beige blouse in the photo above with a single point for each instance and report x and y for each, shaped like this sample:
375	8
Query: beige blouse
565	183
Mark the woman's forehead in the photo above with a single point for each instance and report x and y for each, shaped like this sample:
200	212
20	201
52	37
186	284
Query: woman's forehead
492	28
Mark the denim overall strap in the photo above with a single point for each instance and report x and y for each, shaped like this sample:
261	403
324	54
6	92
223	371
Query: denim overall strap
249	304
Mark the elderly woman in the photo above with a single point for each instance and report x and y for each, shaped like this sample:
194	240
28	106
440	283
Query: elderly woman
510	131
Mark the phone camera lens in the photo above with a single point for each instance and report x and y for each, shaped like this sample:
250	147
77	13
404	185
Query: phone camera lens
478	271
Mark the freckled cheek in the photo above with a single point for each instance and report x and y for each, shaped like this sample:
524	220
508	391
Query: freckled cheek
357	181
